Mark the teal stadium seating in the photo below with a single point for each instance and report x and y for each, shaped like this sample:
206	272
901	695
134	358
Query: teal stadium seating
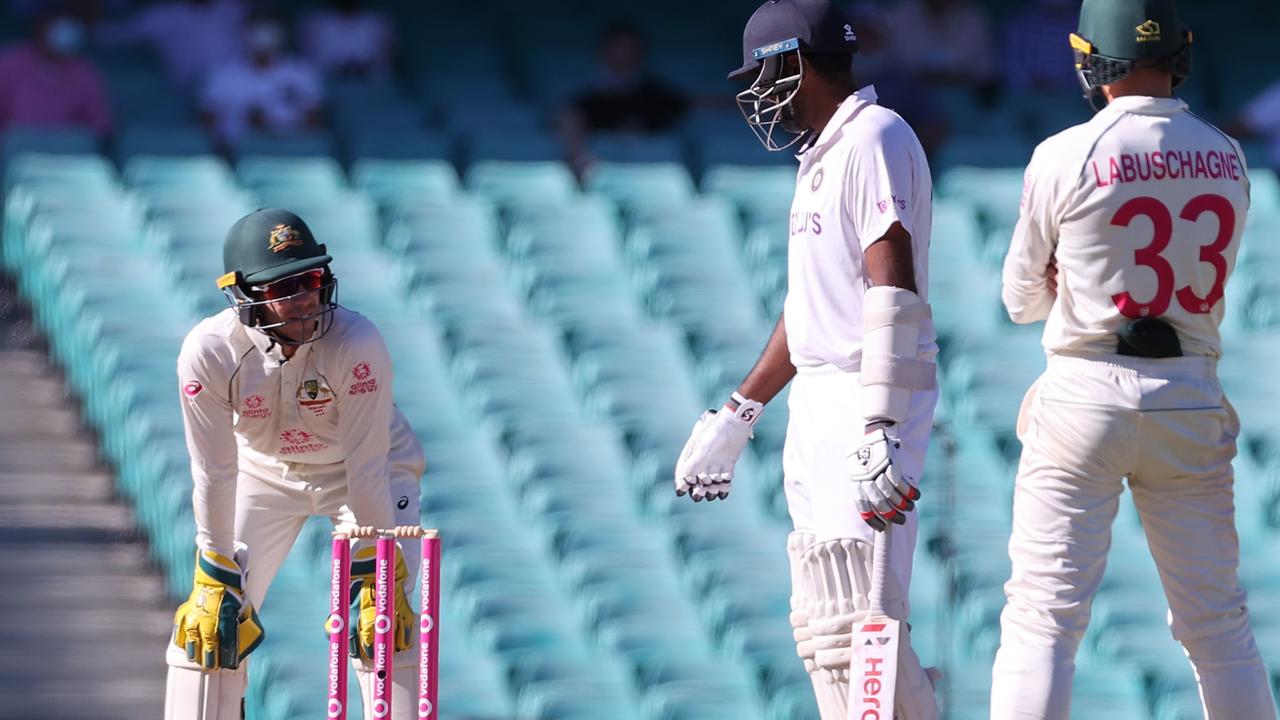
554	338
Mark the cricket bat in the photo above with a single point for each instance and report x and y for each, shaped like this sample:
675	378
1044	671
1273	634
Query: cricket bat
873	676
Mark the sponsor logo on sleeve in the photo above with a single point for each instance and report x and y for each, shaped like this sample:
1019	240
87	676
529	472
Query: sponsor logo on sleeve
191	389
364	383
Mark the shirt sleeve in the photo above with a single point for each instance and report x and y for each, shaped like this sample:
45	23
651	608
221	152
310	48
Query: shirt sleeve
880	184
1026	292
365	408
207	418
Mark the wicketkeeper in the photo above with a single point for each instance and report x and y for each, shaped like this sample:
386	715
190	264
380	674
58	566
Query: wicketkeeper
287	402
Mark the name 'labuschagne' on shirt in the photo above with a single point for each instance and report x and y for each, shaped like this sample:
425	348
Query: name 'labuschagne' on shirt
1167	165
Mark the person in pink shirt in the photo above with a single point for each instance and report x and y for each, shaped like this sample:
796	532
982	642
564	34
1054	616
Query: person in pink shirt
45	83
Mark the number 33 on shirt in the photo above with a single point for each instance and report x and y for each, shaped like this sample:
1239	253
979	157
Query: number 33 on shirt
1148	235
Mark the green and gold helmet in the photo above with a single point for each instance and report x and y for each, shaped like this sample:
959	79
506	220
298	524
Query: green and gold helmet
1114	35
271	256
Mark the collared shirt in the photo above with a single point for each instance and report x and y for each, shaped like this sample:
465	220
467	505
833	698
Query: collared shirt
284	93
864	172
330	404
40	92
1143	208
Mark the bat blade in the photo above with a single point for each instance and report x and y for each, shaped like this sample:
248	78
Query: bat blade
873	675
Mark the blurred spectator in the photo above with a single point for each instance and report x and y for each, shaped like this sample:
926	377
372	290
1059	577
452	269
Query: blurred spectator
624	96
1037	54
944	42
267	90
348	38
896	87
192	37
45	83
1260	118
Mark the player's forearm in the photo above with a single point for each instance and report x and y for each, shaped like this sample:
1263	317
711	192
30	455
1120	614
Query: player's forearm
1026	294
213	504
773	370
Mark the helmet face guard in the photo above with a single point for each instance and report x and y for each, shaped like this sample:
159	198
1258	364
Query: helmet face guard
250	301
1094	70
767	104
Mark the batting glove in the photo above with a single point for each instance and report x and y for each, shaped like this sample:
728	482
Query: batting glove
216	625
884	493
705	468
364	591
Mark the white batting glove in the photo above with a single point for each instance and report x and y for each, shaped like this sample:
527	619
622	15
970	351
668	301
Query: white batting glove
705	468
884	493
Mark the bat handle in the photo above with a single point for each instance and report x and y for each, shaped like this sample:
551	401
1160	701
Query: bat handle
879	567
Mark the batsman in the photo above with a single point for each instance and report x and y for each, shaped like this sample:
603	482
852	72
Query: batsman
287	405
855	334
1129	228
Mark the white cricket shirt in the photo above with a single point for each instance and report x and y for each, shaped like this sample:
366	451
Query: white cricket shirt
865	171
1143	207
330	403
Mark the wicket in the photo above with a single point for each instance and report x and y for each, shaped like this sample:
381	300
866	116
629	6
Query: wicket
384	621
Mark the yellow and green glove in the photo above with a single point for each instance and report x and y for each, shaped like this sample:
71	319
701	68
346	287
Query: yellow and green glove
216	625
363	590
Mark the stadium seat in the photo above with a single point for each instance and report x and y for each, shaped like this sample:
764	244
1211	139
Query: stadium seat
294	145
633	148
177	140
521	183
635	185
390	181
316	176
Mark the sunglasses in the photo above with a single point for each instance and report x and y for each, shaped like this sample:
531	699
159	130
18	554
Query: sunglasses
308	281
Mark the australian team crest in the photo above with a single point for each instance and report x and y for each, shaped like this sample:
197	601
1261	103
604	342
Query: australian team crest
314	395
283	237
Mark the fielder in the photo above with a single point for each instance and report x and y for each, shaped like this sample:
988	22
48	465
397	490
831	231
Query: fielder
855	334
1129	229
287	403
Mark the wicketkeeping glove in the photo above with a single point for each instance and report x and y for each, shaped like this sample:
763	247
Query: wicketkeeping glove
705	467
363	590
216	625
884	493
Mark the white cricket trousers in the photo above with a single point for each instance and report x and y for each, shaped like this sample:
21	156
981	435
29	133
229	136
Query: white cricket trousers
824	427
1085	426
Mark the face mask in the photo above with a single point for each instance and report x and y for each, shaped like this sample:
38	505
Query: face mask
265	38
65	35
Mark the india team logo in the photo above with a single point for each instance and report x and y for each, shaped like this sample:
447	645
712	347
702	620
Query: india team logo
1148	31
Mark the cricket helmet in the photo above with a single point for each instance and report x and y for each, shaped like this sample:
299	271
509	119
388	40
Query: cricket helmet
1114	35
780	29
272	251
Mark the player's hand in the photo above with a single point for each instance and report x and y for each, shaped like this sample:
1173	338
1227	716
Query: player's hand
364	591
884	493
705	468
216	625
1051	275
